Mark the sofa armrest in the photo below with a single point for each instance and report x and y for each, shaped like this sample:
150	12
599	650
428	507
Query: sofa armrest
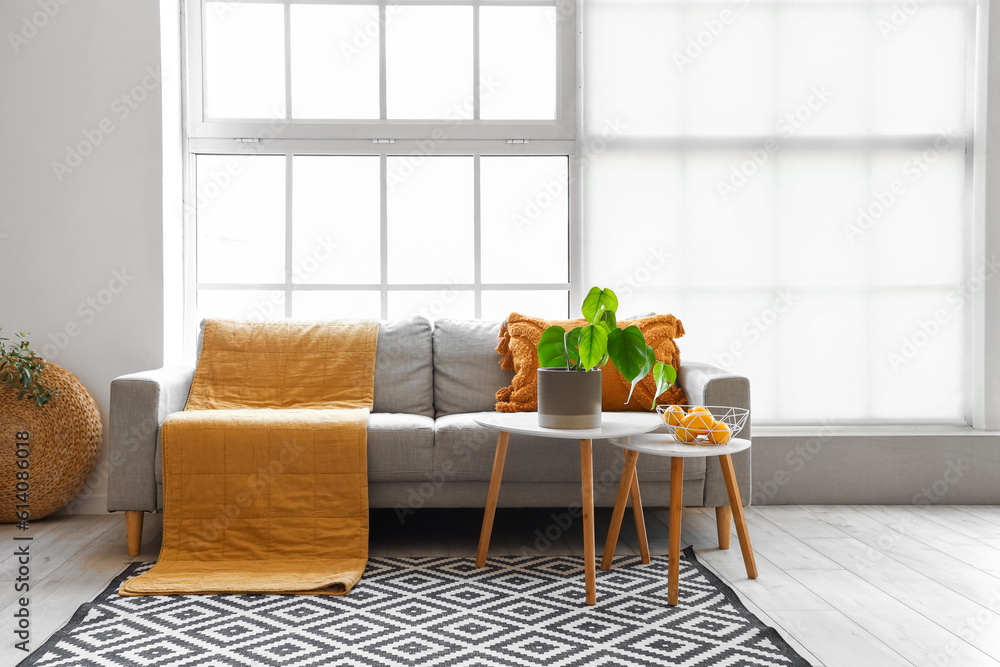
710	385
139	404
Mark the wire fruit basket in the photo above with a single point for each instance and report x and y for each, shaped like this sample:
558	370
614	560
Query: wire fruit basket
705	425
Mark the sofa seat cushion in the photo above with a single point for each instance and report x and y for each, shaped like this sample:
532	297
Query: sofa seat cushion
400	446
463	451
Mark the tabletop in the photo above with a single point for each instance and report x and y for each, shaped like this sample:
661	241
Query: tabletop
664	444
613	425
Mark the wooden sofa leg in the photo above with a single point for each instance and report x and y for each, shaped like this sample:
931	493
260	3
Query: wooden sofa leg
724	521
133	524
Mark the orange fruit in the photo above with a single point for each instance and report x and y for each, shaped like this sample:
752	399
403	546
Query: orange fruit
699	410
720	434
697	422
682	434
672	415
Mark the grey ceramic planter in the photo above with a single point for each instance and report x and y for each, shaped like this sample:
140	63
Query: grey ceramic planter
569	399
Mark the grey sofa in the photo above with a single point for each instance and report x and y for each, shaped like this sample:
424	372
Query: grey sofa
424	447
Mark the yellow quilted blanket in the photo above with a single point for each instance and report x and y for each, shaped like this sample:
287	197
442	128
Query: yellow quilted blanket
265	477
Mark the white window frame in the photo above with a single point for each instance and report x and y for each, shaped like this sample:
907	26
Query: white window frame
562	128
289	137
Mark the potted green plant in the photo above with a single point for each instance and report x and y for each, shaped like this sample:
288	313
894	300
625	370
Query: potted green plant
21	369
54	427
570	362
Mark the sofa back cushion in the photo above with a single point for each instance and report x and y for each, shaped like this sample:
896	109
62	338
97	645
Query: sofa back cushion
404	376
467	371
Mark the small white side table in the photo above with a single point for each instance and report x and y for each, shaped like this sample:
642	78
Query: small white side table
663	444
613	425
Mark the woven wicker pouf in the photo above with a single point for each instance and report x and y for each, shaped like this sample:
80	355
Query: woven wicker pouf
64	439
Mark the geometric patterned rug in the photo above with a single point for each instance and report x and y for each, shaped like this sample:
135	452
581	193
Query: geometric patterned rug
517	611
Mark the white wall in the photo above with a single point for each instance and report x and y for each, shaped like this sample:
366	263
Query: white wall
64	69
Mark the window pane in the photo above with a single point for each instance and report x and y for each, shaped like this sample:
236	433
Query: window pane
771	247
525	219
336	305
916	88
335	219
430	219
620	35
433	305
253	305
241	218
917	335
335	61
244	60
815	248
824	50
729	89
549	304
816	326
429	62
645	188
517	62
913	216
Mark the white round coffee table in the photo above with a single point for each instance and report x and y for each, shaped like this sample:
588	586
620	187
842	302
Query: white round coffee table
613	425
664	444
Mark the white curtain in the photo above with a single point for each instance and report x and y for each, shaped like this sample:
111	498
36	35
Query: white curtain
789	179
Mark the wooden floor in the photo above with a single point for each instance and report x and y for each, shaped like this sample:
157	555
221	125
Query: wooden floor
853	586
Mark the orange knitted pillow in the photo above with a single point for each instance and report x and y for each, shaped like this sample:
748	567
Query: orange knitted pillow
518	348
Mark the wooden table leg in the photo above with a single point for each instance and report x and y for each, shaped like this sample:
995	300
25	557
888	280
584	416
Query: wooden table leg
676	507
624	486
640	522
723	522
491	499
729	475
587	480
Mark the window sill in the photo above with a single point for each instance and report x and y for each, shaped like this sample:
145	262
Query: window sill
869	430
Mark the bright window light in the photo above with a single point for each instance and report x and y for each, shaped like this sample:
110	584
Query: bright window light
335	61
335	305
800	175
429	63
335	219
525	206
244	60
517	62
430	219
241	219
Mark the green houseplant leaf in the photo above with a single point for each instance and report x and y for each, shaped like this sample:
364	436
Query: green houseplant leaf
627	348
646	368
631	355
593	345
552	348
597	302
665	375
22	369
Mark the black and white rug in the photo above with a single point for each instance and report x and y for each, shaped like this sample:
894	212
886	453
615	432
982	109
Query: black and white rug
517	611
